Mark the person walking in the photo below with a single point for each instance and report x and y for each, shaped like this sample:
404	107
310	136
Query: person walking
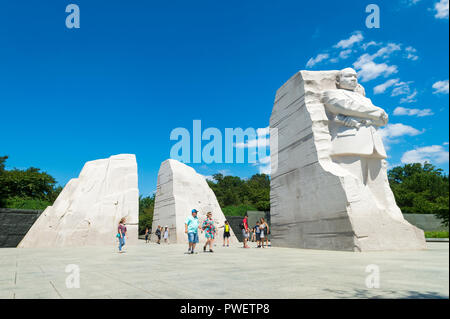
121	234
191	229
158	234
226	233
210	232
266	231
258	234
147	233
244	227
166	234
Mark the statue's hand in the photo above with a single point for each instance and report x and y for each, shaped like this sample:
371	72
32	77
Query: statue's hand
384	118
350	122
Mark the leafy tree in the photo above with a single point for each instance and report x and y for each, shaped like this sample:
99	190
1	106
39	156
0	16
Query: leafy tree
421	189
146	208
236	196
30	188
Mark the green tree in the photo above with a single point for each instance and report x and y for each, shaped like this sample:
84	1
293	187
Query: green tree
421	189
236	196
146	208
28	189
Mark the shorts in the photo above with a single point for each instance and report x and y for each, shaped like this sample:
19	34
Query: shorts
244	233
193	238
209	235
258	236
226	234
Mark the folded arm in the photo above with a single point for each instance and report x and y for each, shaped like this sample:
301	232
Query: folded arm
338	103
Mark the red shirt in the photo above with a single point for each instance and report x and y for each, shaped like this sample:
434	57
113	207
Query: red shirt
245	224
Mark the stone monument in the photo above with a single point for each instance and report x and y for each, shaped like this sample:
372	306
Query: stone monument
179	190
329	185
89	208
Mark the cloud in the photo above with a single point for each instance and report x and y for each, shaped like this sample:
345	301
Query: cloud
410	3
345	54
262	140
383	87
413	112
348	43
368	69
433	153
440	87
397	130
313	61
411	54
264	165
441	9
367	45
410	98
401	88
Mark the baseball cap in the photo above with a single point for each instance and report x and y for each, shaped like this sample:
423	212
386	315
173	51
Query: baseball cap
194	211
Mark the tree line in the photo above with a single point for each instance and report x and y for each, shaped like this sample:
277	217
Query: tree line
418	189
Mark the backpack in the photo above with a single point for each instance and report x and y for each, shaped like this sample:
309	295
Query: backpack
242	225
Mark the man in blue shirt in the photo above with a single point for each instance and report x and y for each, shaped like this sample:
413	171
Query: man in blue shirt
191	229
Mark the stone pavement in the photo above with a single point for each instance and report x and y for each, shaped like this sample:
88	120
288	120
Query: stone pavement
164	271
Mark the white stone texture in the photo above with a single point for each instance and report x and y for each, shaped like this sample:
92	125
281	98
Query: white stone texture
323	201
89	208
179	190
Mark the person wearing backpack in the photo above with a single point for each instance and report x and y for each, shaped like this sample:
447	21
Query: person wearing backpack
158	234
226	233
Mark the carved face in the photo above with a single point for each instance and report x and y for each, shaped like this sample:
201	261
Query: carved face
347	80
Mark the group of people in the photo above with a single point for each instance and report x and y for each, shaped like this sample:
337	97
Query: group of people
259	233
158	232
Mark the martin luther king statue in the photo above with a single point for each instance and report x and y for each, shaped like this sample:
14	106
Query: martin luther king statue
329	184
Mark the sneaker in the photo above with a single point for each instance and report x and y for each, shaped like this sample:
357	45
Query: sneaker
204	248
192	252
211	251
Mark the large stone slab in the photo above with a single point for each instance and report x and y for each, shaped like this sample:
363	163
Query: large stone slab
329	186
88	210
179	190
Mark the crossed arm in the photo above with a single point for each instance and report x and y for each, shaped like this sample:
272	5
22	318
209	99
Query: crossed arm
338	103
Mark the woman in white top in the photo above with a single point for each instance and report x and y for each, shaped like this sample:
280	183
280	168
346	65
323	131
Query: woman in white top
166	234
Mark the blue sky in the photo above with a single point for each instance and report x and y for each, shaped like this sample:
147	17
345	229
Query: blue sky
136	70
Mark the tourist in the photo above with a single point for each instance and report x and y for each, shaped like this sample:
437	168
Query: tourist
122	232
191	229
258	234
226	233
262	232
265	234
210	232
166	234
158	234
245	231
147	233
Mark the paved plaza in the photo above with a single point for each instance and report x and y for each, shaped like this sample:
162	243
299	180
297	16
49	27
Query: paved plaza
164	271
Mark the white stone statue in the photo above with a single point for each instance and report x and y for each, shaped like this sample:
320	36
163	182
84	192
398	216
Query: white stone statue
180	189
89	208
330	189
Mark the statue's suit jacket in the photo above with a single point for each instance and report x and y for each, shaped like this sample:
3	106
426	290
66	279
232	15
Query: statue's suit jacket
365	140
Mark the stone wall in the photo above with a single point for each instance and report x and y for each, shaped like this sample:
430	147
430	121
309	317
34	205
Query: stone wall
14	224
426	222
